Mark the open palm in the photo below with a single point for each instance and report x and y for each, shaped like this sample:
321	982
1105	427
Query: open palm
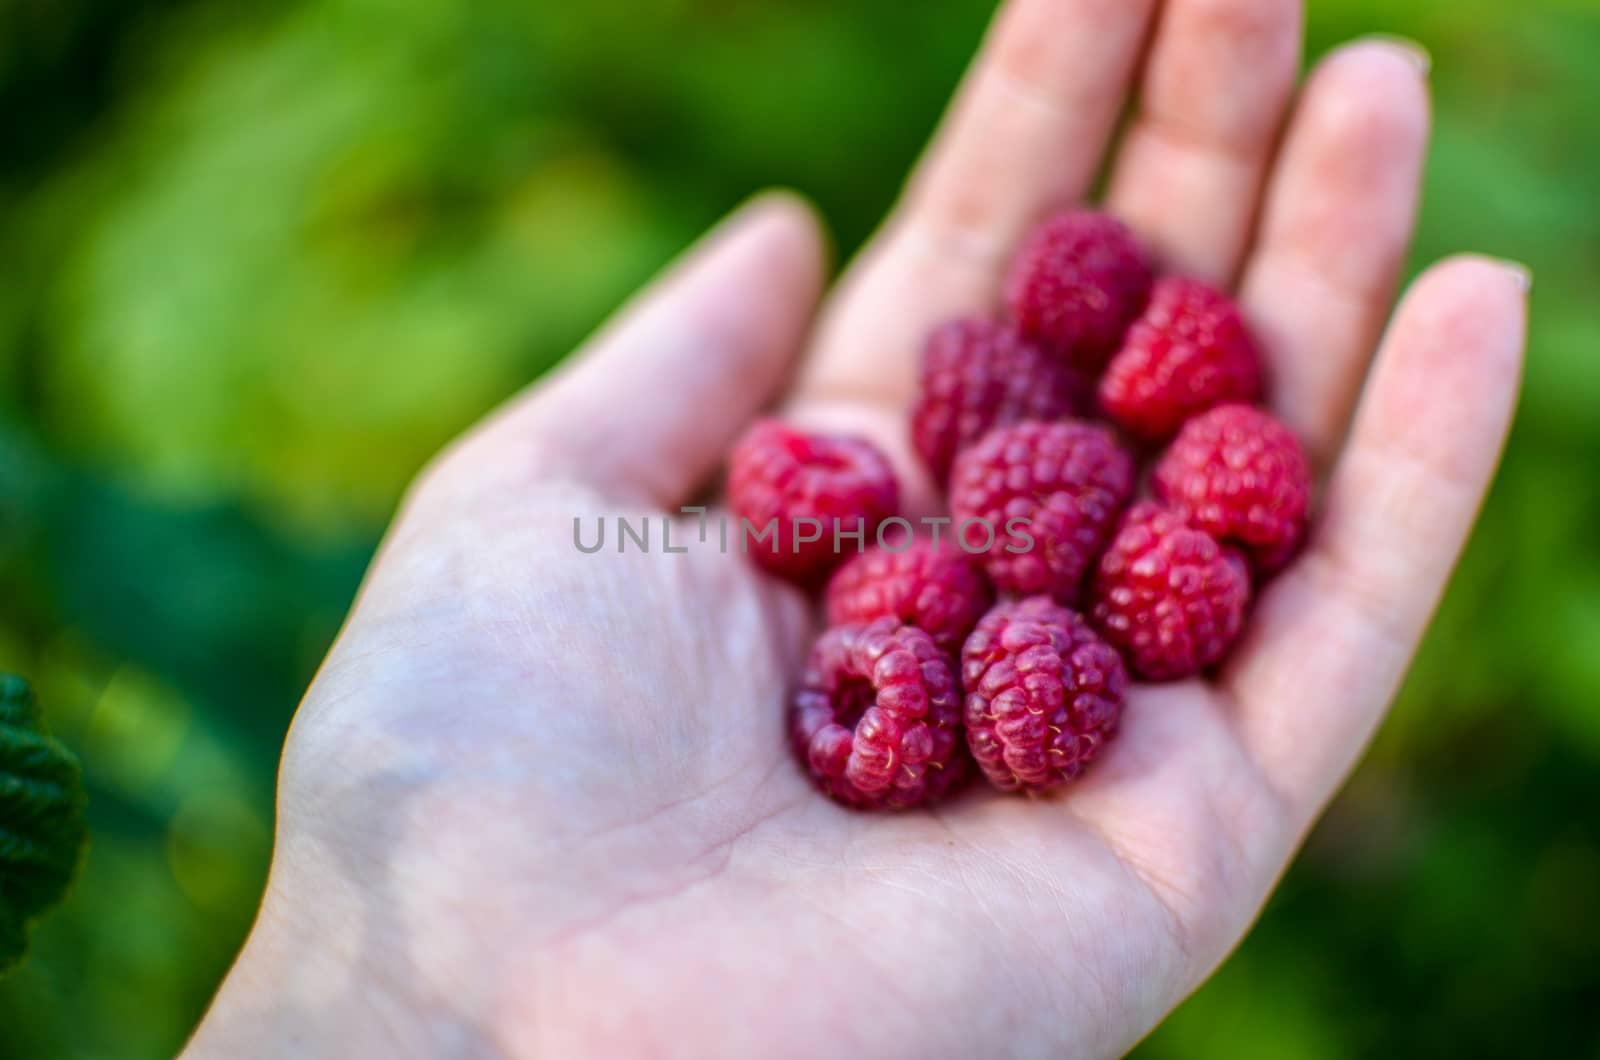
540	802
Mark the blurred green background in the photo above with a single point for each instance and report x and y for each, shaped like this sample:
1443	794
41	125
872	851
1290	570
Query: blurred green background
262	257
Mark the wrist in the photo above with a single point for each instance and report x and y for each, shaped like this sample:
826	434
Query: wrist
328	972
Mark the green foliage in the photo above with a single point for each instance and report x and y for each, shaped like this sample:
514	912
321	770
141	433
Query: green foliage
41	817
262	257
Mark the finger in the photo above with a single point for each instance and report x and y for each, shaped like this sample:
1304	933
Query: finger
1026	133
1332	638
1030	124
647	409
1189	172
1336	226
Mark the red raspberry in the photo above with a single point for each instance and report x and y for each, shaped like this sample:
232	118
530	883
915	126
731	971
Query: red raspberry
979	374
1241	476
1168	595
781	474
1044	693
1076	284
877	716
1044	499
937	589
1190	350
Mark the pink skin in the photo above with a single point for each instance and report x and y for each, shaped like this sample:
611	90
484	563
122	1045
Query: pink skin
541	803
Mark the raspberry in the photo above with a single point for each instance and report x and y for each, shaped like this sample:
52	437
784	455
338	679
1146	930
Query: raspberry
779	475
877	716
979	374
1044	693
1189	350
1241	476
1045	497
1076	284
936	589
1168	595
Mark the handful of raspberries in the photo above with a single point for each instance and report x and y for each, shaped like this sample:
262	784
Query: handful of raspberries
1009	640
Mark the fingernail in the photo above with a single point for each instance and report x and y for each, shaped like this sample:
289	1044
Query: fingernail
1519	272
1410	50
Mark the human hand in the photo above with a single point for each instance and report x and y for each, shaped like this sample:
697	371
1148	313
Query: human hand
541	802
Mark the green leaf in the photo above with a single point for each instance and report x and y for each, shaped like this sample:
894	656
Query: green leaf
42	830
